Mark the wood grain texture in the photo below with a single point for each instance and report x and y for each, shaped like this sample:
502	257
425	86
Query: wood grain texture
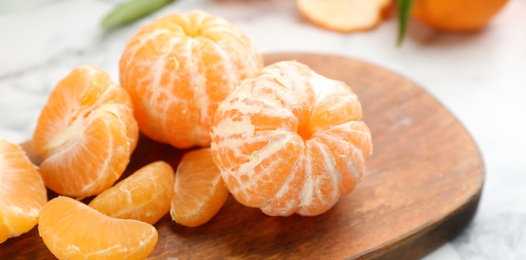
421	188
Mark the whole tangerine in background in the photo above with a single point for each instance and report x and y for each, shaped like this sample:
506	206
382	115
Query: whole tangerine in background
85	133
178	68
456	15
22	192
290	140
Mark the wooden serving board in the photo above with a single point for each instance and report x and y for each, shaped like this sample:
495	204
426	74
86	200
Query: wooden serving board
421	188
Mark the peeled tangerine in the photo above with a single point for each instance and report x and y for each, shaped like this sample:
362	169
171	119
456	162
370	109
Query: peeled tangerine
178	69
289	140
22	192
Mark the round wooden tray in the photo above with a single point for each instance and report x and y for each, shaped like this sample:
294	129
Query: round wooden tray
421	188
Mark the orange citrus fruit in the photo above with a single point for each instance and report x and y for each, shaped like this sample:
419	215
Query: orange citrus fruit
145	195
85	133
344	15
72	230
199	190
290	140
178	68
456	15
22	192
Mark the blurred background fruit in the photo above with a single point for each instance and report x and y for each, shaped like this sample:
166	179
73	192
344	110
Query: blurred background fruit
456	15
344	15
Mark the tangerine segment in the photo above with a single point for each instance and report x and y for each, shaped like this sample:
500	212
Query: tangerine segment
456	15
72	230
344	15
290	140
199	190
178	69
145	195
85	133
22	192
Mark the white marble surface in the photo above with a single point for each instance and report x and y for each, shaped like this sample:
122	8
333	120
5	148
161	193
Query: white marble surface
480	77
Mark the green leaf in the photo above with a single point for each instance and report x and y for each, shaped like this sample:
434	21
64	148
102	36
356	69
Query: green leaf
404	9
132	10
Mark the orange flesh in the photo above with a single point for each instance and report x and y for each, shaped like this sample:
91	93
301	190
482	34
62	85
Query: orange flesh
199	190
85	133
289	140
18	176
178	68
72	230
145	195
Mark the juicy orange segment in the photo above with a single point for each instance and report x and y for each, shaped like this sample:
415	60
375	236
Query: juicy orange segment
178	68
145	195
85	133
22	192
72	230
199	190
289	140
344	15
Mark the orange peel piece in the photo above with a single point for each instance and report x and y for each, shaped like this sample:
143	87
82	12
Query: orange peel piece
344	15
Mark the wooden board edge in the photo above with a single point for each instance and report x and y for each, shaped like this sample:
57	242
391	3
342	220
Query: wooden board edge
437	232
434	235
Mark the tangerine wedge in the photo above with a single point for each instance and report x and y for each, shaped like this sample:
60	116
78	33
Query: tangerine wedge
72	230
290	140
178	69
85	133
145	195
22	192
199	189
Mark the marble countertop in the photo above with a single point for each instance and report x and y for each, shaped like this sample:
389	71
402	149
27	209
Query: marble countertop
480	77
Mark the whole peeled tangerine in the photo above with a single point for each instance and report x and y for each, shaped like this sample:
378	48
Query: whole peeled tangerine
178	68
289	140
